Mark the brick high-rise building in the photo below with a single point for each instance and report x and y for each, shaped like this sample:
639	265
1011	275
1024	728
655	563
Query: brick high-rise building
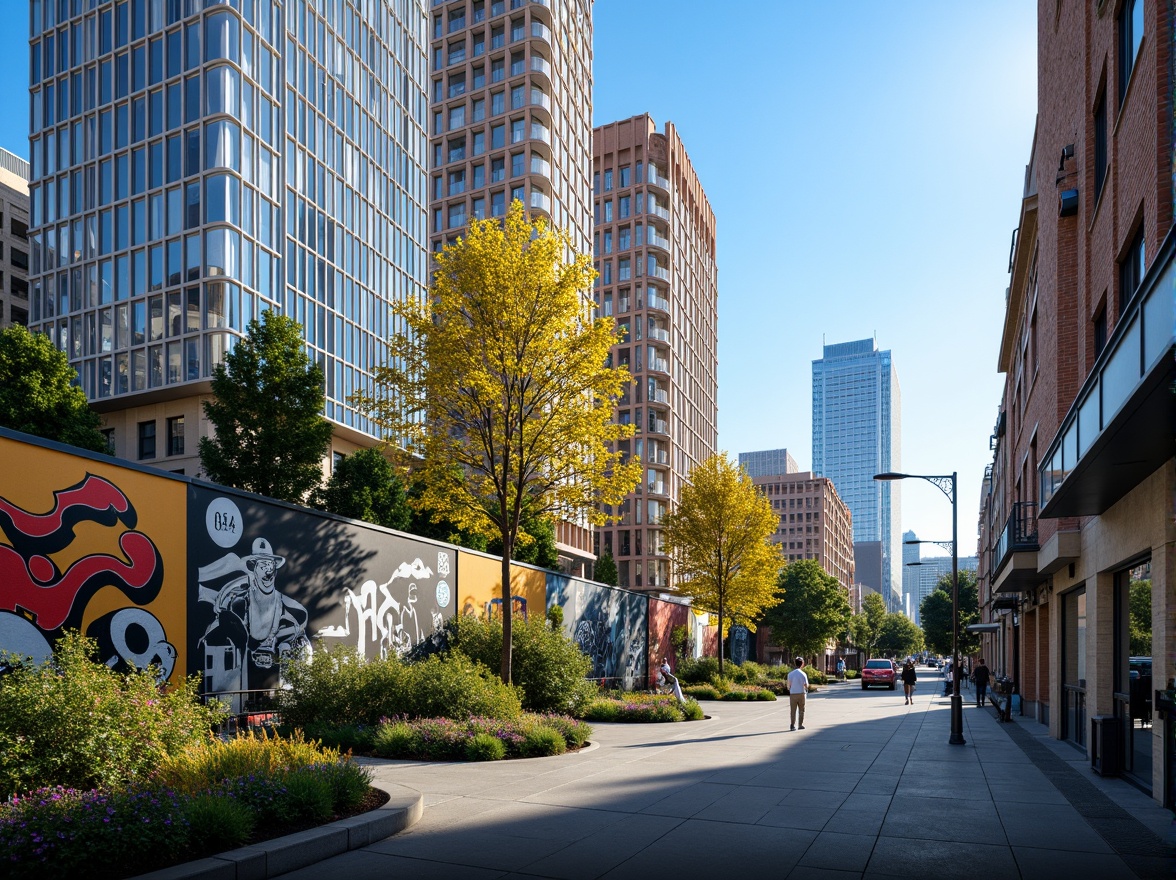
511	118
511	113
1078	536
655	251
197	164
14	240
814	522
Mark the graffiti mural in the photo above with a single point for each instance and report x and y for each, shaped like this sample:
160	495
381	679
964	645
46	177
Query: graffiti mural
389	624
270	581
610	625
75	553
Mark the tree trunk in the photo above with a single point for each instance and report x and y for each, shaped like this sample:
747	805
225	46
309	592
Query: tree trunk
720	633
507	552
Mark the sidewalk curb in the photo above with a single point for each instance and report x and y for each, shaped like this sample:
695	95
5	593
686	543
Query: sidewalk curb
282	854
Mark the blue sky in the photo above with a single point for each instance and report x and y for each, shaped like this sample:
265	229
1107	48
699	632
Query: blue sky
865	162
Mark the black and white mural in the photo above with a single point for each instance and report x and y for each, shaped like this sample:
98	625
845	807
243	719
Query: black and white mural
269	581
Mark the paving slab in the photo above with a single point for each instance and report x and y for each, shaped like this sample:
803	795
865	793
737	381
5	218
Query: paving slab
870	789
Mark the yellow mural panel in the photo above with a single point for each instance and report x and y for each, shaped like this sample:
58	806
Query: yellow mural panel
86	544
480	586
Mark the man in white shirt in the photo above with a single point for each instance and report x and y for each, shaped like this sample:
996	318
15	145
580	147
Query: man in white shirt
798	684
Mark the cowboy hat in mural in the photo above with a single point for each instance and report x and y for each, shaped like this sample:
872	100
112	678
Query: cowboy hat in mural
253	620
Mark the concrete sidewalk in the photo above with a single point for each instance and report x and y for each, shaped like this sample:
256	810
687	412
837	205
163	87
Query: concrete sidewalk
870	789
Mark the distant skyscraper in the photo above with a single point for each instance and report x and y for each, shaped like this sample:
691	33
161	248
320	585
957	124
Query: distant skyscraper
920	580
768	463
856	434
655	251
14	239
197	164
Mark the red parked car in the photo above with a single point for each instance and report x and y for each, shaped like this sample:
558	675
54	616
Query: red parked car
877	672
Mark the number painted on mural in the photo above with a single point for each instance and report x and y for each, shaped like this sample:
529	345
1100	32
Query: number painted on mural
223	522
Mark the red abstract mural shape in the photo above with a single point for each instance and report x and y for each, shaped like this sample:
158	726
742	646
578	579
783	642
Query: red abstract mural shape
53	602
93	493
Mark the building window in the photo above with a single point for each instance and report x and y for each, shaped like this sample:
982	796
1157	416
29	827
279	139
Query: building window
146	440
1099	329
175	435
336	459
1100	144
1131	269
1130	37
108	433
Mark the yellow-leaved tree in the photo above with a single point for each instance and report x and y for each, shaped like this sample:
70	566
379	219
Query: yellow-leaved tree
500	388
718	537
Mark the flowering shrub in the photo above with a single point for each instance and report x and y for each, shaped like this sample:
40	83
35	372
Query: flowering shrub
214	802
640	708
78	723
336	688
64	832
443	739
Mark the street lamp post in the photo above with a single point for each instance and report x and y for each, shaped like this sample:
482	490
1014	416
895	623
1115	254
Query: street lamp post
947	485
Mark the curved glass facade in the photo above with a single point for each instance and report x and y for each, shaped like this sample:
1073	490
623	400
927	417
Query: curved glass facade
197	162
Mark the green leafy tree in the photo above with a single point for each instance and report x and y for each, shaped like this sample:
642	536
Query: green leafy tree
499	383
718	538
267	407
867	626
935	612
365	486
899	636
37	395
1140	618
434	524
813	609
536	544
606	569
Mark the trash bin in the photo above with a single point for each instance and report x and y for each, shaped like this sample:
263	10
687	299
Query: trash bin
1105	753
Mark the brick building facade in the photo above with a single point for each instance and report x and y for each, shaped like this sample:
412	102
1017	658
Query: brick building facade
1078	561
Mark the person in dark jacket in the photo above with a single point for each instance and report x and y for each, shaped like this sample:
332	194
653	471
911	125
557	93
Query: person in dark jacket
981	675
909	677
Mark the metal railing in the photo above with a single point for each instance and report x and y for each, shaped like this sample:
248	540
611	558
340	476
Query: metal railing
1019	534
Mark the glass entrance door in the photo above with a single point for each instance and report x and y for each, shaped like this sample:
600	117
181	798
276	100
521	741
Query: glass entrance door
1074	666
1133	671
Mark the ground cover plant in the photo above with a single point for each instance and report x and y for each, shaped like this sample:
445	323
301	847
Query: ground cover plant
532	735
629	706
110	774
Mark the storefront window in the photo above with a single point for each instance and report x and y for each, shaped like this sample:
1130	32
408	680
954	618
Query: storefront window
1074	666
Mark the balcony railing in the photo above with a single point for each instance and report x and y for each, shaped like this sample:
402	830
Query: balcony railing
652	175
539	98
1019	534
540	31
541	65
658	211
659	334
657	240
658	302
662	272
659	395
540	200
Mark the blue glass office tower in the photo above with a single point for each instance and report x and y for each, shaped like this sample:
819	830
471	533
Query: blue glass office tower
197	162
856	434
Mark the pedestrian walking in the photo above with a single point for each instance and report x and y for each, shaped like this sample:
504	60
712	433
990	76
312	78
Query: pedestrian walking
909	677
798	684
840	669
980	675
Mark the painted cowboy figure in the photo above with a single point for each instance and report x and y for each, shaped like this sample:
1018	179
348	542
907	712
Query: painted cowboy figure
250	612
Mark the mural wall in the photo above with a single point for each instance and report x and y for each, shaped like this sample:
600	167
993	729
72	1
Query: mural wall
269	580
481	593
610	625
194	577
663	617
86	544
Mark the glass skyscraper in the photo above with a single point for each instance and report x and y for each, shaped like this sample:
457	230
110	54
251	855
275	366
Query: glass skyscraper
195	163
856	434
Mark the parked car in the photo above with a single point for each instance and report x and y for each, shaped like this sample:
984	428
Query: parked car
879	672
